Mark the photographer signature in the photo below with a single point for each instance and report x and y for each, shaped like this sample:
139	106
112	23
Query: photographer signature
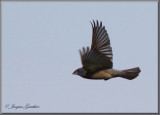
26	106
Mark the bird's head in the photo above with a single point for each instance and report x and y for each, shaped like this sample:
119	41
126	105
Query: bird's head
81	72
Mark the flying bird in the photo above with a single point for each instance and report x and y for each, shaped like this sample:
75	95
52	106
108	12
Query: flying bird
97	60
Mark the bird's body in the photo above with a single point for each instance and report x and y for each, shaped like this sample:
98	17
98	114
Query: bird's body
102	74
109	73
97	61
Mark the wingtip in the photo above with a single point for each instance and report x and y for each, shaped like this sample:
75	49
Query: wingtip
100	23
91	24
96	23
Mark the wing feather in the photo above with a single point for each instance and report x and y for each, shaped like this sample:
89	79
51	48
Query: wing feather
100	39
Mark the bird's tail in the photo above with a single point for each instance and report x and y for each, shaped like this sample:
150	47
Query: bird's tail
130	73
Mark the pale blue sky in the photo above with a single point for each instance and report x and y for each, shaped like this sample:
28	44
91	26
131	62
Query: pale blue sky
40	43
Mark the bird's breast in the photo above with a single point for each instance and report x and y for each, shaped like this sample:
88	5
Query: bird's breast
102	75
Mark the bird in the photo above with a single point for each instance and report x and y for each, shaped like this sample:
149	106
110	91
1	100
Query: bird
97	61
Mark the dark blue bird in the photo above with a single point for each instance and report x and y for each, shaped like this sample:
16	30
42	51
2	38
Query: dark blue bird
97	60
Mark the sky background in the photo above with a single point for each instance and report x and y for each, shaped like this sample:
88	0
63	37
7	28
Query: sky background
40	43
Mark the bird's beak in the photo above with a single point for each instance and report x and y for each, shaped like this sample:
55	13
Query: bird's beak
75	72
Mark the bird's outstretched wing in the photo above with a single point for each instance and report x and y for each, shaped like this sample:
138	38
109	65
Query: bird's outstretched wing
100	55
100	40
93	60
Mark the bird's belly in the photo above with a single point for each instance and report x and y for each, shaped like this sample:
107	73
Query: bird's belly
101	75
